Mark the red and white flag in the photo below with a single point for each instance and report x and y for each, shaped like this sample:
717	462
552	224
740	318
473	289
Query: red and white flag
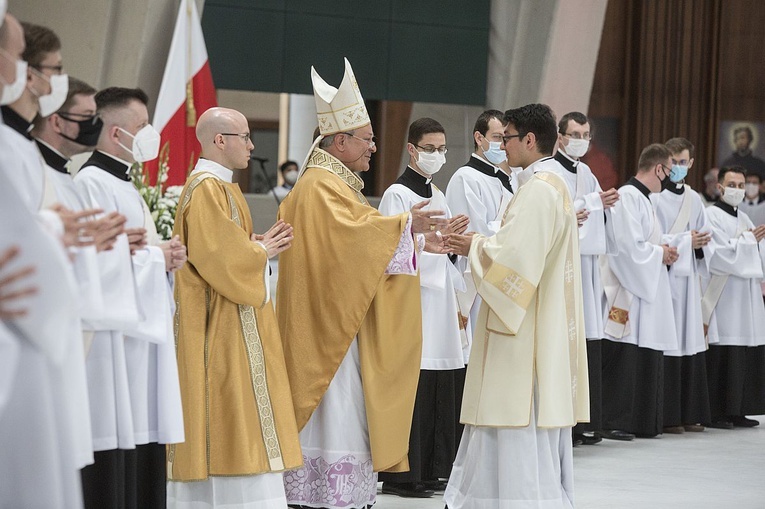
187	90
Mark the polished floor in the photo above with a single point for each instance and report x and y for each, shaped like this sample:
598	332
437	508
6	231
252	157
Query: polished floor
716	469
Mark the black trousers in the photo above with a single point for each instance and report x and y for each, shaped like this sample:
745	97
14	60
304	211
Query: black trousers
595	376
633	388
686	394
736	380
432	440
126	479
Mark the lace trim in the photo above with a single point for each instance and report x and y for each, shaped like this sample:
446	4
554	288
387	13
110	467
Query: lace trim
345	483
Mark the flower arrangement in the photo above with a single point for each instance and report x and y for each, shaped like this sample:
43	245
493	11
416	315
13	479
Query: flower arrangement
162	204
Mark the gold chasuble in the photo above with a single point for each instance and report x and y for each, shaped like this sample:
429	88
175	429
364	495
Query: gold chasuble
235	391
332	287
530	329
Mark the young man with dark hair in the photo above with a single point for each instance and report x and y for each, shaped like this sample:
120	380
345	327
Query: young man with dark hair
132	370
289	172
685	227
432	440
640	322
527	383
733	308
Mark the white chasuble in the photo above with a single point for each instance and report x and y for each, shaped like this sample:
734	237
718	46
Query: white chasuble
739	312
639	268
678	215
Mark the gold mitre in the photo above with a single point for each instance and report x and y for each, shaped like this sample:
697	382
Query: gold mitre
339	109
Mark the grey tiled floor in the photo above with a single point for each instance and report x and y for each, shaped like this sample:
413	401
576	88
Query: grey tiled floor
713	469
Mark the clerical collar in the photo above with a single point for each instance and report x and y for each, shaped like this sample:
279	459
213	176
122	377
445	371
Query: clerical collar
566	161
640	186
730	209
53	157
482	166
17	122
417	183
220	171
110	164
678	189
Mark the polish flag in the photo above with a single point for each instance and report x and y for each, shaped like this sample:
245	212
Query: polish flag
187	91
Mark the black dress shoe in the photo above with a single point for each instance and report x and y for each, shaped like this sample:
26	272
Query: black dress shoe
578	440
720	425
435	485
743	422
591	439
407	490
617	434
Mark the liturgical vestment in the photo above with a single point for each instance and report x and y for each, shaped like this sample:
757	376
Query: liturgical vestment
236	398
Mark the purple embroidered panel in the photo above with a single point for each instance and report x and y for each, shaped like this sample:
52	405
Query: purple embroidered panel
347	482
404	260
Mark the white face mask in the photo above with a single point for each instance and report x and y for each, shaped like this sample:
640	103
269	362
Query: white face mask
577	148
495	155
733	196
429	164
752	190
290	177
59	87
12	92
145	144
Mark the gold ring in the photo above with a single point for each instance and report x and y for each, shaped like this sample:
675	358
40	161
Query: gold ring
432	227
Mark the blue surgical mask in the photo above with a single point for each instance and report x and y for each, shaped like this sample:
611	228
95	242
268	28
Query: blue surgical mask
495	155
678	173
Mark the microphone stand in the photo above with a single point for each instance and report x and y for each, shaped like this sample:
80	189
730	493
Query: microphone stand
263	161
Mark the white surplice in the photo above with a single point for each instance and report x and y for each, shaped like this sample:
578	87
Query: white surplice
483	199
685	273
131	366
754	209
639	268
337	471
441	342
596	238
740	312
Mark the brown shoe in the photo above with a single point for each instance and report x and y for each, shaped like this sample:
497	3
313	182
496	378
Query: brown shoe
694	428
674	430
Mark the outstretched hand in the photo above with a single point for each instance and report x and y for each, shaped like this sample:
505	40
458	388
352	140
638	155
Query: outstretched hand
458	224
426	221
459	244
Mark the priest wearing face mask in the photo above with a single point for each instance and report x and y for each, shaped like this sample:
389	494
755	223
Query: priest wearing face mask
685	227
596	238
733	308
432	441
132	369
754	201
289	171
639	322
348	304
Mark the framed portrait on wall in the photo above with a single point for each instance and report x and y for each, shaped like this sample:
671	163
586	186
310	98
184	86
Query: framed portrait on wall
742	143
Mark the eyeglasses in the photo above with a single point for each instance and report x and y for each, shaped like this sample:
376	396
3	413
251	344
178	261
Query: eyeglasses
58	69
577	136
430	149
371	143
244	136
66	115
509	137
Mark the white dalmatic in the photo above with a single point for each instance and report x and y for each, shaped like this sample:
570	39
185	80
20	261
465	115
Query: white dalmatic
635	277
441	341
133	345
678	215
483	199
732	292
596	238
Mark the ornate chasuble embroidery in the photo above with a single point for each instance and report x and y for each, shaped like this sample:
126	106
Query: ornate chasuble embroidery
254	348
326	161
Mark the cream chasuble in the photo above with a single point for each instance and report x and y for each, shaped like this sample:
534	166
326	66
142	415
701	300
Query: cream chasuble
530	330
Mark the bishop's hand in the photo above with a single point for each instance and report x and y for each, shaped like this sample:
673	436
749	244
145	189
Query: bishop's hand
278	238
425	221
459	244
609	198
15	285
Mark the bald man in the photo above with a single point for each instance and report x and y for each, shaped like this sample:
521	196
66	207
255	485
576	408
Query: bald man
240	424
